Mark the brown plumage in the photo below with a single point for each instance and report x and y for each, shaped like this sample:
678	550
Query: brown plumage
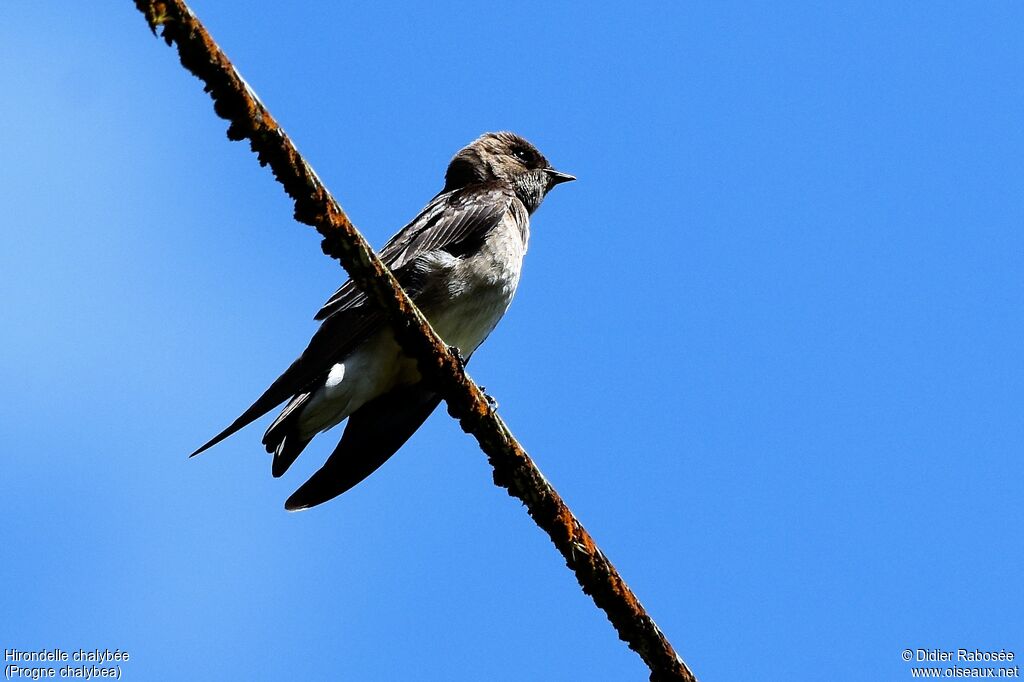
459	260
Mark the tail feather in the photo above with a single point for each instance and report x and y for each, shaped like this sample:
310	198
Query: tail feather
286	452
282	437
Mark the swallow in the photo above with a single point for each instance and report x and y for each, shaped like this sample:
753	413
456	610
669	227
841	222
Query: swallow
460	261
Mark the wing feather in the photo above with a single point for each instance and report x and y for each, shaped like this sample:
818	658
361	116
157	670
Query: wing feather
374	433
448	222
450	219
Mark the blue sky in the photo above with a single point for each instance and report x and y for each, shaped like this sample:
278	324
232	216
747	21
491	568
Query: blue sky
768	347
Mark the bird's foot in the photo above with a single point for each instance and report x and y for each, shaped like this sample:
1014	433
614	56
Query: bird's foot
491	402
457	354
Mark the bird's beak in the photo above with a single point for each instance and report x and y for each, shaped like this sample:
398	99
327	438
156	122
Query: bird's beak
557	177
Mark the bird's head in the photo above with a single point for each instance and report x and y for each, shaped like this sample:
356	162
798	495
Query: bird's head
504	157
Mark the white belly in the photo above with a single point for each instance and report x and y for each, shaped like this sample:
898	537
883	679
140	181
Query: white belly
476	307
474	294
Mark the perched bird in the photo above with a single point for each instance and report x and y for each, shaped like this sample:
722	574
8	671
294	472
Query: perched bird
460	261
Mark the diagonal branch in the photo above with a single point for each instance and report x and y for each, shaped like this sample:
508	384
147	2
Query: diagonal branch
235	101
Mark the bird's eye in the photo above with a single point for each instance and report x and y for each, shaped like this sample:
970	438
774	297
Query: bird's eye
521	154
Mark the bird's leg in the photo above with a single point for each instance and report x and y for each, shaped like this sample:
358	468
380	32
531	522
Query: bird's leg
454	350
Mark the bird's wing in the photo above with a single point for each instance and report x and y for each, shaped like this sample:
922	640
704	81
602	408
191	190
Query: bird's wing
336	338
452	221
372	435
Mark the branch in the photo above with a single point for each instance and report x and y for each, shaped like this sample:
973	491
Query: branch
235	101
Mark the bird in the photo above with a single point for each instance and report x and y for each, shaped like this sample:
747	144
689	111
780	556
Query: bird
460	261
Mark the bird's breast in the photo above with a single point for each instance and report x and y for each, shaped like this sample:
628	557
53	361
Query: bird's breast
479	289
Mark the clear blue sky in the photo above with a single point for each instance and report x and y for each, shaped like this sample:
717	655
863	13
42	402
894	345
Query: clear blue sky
769	347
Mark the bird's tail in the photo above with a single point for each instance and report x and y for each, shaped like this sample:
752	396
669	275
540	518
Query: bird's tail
282	437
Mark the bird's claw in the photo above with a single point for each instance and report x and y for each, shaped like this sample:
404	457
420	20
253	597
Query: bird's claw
491	402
